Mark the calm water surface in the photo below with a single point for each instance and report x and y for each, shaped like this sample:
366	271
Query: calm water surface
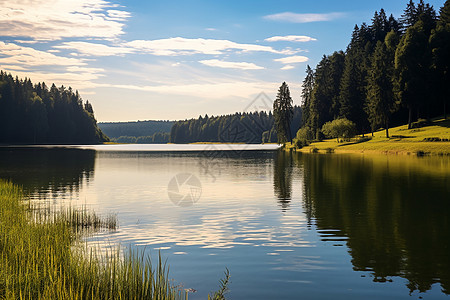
287	226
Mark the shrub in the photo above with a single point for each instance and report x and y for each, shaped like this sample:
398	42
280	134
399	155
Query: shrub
339	128
305	135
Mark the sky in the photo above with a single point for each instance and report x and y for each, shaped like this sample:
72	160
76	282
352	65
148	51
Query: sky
172	60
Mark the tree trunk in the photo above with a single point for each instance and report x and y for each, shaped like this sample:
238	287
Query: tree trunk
409	117
445	109
387	129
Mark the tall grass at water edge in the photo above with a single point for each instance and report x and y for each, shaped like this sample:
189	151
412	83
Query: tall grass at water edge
43	257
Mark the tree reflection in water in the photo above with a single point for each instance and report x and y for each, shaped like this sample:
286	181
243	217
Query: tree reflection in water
394	213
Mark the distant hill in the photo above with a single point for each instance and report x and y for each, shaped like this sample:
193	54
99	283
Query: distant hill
114	130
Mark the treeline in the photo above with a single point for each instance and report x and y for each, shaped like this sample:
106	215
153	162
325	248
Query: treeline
32	114
392	72
247	127
135	129
157	138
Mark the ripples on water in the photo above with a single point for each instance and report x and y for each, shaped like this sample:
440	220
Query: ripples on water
286	225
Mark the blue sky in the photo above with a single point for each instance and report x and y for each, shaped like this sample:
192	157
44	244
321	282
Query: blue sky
140	60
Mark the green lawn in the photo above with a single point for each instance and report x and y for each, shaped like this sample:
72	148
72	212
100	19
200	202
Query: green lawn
402	141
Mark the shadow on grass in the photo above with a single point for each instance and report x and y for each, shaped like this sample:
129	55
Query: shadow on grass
441	122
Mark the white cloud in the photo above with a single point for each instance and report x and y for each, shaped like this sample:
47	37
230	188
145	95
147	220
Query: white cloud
211	29
292	59
303	18
206	90
94	49
186	46
231	65
291	38
14	54
56	19
26	41
29	62
287	67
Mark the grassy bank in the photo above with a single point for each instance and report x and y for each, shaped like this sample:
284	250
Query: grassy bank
423	140
42	257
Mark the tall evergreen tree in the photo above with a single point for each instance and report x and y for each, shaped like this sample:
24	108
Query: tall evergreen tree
440	65
352	95
283	113
380	100
307	89
412	68
444	13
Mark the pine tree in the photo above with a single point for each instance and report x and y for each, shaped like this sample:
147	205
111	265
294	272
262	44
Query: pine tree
412	68
307	89
380	100
352	95
440	49
283	113
444	13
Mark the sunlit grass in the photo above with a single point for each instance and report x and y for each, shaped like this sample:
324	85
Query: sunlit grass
402	141
42	257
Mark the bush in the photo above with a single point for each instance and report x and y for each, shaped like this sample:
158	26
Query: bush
305	135
339	128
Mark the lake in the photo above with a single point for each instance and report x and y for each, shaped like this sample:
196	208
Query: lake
286	225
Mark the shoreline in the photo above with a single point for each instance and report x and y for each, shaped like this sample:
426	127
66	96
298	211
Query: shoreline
430	140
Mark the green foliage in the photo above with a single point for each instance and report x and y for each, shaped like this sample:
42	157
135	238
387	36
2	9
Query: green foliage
440	61
412	67
389	71
339	128
380	97
323	104
35	114
305	135
283	112
307	90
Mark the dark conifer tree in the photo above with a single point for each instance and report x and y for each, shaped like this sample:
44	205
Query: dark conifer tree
307	89
412	68
283	112
33	114
380	98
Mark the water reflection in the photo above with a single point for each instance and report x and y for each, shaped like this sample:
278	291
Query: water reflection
394	212
282	179
47	171
265	213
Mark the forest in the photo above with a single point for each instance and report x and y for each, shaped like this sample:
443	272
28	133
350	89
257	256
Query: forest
393	72
246	127
36	114
140	132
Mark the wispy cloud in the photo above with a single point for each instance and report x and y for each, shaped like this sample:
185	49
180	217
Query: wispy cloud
303	18
186	46
291	38
14	54
287	67
29	62
231	65
292	59
52	20
204	89
169	47
95	49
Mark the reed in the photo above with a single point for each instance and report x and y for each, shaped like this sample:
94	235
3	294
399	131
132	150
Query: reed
43	257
